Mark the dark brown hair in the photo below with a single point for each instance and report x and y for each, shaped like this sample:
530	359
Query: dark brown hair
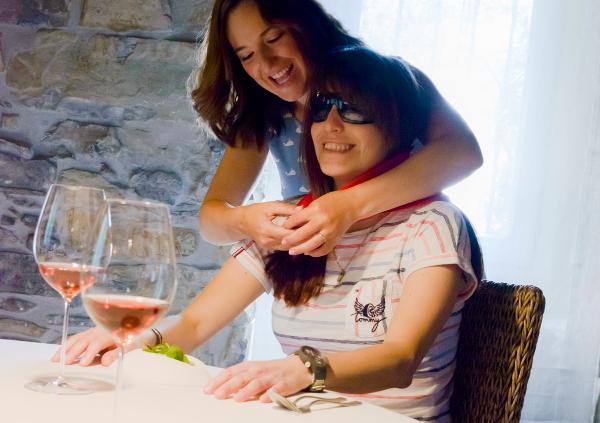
234	106
384	89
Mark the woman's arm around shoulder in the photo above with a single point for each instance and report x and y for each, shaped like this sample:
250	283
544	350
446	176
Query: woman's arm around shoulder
222	217
450	153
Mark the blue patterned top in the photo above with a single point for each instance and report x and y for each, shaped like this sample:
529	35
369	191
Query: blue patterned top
285	149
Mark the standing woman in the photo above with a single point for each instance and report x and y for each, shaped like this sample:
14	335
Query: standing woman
252	89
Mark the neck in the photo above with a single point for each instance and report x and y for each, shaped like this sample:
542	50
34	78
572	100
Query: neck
299	107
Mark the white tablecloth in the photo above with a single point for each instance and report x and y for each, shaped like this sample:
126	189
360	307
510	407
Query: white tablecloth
20	362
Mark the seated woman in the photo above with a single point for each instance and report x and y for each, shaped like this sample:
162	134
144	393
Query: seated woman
380	315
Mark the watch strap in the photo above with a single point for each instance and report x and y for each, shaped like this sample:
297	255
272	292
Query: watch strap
316	364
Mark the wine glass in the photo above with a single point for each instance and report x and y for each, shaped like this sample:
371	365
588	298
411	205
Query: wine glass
133	266
60	249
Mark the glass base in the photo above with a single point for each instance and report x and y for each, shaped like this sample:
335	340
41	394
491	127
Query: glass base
68	386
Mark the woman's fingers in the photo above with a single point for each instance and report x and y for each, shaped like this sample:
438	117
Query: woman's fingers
73	344
109	357
262	223
281	208
220	379
314	242
84	347
252	390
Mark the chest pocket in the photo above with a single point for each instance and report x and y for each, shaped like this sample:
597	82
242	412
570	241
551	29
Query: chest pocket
369	309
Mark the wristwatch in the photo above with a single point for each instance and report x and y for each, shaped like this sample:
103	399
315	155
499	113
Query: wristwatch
317	364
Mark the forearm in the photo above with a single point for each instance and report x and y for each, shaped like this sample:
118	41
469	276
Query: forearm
175	330
438	165
230	291
370	369
220	222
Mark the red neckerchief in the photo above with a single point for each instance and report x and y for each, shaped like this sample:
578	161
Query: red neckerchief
377	170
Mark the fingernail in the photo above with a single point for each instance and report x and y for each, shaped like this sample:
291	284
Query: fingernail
292	252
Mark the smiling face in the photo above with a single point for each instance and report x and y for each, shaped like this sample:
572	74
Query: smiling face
346	150
268	52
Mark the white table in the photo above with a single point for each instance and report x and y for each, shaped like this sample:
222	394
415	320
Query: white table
20	362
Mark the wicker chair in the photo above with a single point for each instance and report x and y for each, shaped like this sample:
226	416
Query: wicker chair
499	331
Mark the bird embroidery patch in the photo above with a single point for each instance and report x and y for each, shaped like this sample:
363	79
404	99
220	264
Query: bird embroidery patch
368	309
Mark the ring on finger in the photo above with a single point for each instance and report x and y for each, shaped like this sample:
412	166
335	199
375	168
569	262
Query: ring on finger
322	236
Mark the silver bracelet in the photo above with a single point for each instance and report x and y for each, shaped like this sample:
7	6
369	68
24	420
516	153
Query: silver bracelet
157	336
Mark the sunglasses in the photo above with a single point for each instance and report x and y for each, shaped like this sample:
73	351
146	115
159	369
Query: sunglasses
321	104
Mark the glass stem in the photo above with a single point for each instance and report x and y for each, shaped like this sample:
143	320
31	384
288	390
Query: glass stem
63	347
120	369
119	382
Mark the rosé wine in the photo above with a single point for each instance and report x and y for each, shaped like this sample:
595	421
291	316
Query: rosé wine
124	316
65	277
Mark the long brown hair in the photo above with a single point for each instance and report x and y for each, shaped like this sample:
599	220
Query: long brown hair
234	106
386	90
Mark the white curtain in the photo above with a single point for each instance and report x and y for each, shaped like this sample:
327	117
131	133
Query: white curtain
525	74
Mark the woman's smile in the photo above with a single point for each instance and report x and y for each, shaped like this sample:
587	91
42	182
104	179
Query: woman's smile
336	147
283	75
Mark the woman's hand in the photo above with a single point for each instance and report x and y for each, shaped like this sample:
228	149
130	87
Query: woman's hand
85	347
257	222
251	379
320	225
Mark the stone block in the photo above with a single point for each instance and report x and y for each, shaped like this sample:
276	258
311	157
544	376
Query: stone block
17	148
19	275
190	15
16	172
81	140
126	15
90	179
34	12
7	220
9	120
157	185
149	79
10	11
185	241
89	111
15	305
190	282
20	329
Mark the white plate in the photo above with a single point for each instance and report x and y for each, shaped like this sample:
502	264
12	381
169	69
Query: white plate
144	368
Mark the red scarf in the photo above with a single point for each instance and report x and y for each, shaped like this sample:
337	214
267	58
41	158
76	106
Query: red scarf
377	170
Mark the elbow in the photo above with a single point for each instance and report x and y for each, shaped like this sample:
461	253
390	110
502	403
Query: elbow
202	223
404	370
404	376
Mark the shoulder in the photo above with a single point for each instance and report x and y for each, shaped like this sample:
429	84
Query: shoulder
443	211
439	221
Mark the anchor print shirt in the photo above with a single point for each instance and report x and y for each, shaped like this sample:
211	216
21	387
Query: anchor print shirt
355	312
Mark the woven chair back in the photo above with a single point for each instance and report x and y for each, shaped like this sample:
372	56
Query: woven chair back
498	335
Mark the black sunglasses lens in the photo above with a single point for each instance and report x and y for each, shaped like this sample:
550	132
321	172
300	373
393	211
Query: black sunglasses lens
319	108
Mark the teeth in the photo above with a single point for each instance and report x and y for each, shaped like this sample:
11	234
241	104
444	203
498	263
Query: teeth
332	146
282	72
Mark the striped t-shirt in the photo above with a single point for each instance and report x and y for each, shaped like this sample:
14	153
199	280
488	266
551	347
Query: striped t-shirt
355	312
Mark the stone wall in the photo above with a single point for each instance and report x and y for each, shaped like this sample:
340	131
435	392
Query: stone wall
92	92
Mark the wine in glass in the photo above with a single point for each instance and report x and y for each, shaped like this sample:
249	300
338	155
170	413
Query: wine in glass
133	266
60	249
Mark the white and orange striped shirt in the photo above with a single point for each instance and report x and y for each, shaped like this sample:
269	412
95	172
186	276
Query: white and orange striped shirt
355	312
